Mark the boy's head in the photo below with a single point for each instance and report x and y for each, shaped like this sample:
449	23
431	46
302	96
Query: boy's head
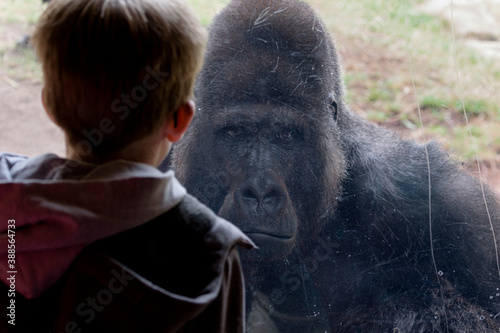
116	70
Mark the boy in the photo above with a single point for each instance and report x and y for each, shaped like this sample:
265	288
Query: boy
118	77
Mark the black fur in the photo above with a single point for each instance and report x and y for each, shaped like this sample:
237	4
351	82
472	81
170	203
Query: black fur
275	149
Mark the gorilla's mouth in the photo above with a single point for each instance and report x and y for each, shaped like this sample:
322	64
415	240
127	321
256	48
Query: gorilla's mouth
272	245
253	234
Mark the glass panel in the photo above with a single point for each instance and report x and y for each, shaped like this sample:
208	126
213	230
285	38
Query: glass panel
358	230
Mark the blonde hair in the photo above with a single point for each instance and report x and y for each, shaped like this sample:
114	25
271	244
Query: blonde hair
115	70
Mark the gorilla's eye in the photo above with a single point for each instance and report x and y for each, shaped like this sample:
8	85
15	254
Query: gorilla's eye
285	134
235	132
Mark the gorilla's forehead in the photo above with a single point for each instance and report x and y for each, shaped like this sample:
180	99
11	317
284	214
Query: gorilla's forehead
263	57
281	78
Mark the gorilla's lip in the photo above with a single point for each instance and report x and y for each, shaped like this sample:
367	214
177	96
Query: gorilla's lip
265	234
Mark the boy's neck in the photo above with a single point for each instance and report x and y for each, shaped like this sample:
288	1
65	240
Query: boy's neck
145	151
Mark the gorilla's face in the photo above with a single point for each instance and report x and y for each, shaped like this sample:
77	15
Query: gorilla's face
268	147
263	167
264	150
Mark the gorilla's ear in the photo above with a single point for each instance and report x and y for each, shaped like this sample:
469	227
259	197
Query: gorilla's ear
333	104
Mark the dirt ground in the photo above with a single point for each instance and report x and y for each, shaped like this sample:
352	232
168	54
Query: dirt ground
25	129
24	126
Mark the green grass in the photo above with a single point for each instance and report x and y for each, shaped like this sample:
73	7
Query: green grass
206	10
24	12
18	18
389	26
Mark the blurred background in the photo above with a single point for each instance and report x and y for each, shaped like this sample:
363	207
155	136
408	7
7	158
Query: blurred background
439	56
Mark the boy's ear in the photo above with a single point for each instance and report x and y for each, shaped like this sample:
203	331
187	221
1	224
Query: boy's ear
179	122
45	107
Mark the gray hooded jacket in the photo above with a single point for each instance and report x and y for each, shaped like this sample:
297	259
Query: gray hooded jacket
175	252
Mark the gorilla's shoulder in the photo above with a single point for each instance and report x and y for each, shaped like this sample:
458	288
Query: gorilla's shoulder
387	172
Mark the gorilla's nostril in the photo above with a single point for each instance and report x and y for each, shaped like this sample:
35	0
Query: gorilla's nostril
273	204
270	200
273	199
273	194
250	194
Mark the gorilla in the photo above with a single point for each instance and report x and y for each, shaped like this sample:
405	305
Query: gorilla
358	229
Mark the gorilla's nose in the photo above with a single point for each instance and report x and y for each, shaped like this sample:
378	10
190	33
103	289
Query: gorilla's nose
266	197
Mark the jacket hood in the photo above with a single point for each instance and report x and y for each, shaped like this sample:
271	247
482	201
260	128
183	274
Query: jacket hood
55	207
